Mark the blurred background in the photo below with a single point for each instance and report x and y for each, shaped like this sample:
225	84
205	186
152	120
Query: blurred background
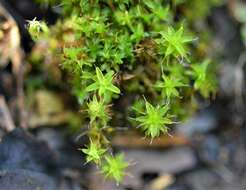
208	151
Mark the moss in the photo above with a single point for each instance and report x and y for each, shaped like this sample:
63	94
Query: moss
111	49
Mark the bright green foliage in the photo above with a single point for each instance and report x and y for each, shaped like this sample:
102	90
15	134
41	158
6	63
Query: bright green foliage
155	120
174	43
37	29
97	109
157	9
146	48
114	167
169	86
104	84
73	59
205	82
93	153
197	9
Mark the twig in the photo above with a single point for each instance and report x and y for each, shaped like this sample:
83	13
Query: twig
6	121
239	81
19	75
16	57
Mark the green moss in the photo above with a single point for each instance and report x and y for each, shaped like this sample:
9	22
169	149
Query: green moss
119	48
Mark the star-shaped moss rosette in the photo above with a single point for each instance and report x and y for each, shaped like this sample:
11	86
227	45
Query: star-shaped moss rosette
98	110
103	84
114	167
93	153
169	87
154	120
174	43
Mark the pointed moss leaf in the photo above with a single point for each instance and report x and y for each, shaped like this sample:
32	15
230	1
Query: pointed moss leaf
97	109
154	120
169	86
114	167
104	84
175	43
93	153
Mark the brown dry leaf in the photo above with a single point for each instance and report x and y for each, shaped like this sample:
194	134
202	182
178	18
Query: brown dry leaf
9	38
143	161
10	50
132	140
161	182
127	76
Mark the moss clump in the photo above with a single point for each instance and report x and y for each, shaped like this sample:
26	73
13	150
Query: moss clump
119	51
